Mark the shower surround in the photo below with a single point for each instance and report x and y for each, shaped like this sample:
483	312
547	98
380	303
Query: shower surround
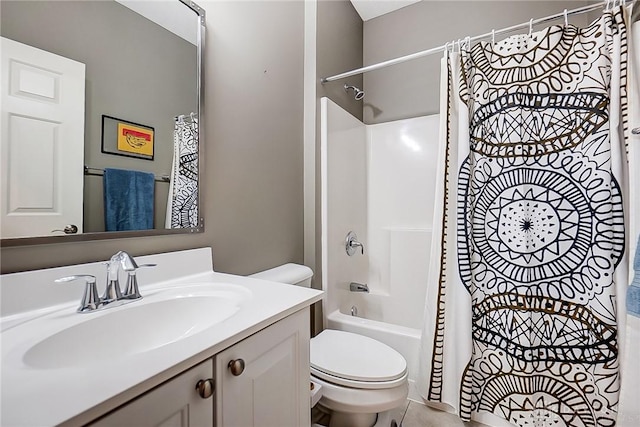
376	182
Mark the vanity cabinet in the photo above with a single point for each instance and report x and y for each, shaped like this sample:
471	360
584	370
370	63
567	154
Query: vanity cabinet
176	403
261	381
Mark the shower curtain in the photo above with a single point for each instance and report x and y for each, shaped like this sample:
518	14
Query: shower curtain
521	321
182	204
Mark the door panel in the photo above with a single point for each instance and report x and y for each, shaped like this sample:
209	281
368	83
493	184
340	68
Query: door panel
273	388
42	132
175	403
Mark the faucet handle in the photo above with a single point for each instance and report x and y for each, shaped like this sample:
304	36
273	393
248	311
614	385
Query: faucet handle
351	243
131	291
147	265
90	299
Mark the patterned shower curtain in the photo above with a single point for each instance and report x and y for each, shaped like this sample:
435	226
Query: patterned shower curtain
182	204
521	323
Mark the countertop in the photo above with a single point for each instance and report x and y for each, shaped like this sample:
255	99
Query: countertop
75	395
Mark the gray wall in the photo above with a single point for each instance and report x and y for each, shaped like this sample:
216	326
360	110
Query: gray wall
255	145
252	180
339	43
132	69
412	89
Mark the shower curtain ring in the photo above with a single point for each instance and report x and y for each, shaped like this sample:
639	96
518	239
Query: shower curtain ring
530	26
448	46
566	18
493	38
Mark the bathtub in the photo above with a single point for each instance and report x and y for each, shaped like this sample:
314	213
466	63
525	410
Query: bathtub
405	341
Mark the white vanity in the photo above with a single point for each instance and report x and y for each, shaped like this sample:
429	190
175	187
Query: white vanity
200	348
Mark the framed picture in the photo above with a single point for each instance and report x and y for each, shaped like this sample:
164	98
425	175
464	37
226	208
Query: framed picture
125	138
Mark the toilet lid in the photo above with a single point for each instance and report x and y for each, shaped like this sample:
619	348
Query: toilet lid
351	359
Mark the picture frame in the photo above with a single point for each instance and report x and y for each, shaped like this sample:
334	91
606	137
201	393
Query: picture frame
125	138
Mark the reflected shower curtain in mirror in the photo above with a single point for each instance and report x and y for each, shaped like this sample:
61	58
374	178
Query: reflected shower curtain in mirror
182	204
521	324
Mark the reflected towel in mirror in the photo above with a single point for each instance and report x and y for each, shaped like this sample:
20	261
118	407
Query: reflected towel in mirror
128	200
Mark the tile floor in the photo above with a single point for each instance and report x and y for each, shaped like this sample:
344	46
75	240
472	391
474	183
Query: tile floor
412	414
417	415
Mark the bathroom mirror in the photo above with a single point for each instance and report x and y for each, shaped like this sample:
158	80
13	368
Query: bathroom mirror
142	86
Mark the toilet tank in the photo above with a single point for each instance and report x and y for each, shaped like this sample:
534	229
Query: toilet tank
292	274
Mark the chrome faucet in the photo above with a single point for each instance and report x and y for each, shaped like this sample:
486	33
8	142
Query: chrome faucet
112	293
358	287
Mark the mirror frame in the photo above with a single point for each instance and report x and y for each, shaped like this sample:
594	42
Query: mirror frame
106	235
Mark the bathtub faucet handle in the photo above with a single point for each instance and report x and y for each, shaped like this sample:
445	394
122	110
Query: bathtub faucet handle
358	287
351	243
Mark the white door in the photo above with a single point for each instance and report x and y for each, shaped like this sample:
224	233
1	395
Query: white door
42	132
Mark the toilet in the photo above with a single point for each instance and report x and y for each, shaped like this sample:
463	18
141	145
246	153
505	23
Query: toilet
361	379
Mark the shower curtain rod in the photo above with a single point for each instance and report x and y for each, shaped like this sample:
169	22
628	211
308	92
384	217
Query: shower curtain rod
183	117
431	51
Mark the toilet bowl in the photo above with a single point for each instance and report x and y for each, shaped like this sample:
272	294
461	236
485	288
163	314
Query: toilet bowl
361	378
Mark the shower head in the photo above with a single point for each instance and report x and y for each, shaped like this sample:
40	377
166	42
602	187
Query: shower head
358	94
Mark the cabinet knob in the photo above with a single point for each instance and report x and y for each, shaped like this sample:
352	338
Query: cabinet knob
205	388
236	366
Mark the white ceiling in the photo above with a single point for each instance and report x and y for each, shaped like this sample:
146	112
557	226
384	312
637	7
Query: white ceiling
172	15
369	9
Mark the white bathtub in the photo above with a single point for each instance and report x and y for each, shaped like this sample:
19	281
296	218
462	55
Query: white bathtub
405	341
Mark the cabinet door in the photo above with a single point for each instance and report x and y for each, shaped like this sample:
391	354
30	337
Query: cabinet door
175	403
273	388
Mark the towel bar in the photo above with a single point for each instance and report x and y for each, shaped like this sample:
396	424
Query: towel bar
100	172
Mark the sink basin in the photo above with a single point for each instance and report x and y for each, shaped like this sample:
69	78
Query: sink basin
162	318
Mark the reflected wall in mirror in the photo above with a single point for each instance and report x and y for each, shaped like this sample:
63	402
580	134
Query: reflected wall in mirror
65	66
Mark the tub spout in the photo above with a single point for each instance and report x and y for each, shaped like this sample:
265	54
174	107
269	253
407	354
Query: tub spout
358	287
354	311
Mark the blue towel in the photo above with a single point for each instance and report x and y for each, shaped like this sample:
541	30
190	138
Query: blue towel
633	291
128	200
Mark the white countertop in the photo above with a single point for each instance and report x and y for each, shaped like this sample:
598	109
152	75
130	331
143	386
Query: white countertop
74	395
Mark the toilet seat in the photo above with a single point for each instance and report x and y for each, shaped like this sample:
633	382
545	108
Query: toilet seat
356	361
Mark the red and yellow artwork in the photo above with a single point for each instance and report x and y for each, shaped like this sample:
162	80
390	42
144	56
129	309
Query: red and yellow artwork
134	139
